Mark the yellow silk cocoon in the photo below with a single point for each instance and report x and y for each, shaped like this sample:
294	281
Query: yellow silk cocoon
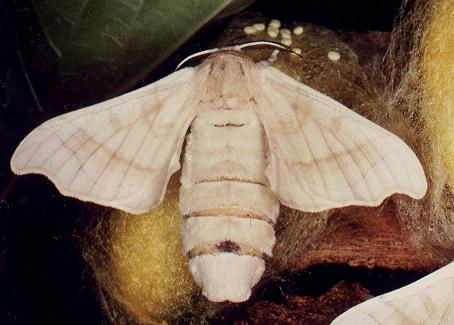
437	68
139	264
420	62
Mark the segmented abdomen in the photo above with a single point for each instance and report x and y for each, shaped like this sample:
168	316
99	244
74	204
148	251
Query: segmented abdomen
227	203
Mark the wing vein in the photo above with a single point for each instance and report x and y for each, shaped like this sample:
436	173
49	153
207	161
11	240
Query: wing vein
62	143
139	147
39	145
372	164
357	147
382	158
114	154
99	146
111	159
402	163
347	181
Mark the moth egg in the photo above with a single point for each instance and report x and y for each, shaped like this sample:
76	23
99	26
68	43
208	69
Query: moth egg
334	55
285	33
259	27
275	23
297	50
298	30
286	41
249	30
273	32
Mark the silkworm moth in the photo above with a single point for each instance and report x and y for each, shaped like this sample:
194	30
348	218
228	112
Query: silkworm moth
429	300
256	138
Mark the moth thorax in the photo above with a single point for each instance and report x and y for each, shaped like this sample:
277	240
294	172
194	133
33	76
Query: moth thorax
228	206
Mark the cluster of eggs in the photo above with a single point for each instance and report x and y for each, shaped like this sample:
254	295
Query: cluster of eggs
274	29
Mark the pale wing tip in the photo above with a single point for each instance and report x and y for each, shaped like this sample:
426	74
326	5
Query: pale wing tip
421	191
18	164
14	164
416	187
13	168
418	179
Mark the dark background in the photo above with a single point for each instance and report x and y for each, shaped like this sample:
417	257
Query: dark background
43	278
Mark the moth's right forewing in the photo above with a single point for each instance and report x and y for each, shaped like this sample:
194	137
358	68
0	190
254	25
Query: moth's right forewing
119	153
323	155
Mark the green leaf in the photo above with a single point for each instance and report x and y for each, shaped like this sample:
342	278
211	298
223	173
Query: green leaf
234	7
112	43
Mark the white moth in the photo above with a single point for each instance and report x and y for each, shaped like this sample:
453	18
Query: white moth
256	137
429	300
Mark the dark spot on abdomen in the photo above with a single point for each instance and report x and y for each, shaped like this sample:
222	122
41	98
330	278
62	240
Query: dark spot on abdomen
226	125
228	246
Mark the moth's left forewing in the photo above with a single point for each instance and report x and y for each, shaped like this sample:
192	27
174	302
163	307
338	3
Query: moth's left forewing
323	155
118	153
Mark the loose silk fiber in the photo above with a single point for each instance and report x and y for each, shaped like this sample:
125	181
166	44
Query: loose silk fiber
437	69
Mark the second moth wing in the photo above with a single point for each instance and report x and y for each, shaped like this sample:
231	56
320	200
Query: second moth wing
323	155
426	301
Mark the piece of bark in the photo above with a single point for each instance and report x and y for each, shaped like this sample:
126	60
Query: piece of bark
305	310
370	237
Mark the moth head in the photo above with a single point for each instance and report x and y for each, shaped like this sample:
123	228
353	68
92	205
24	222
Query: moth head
230	52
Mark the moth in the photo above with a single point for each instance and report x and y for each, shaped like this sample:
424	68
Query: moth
255	138
429	300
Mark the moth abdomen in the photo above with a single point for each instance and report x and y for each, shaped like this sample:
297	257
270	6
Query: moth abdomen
228	206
